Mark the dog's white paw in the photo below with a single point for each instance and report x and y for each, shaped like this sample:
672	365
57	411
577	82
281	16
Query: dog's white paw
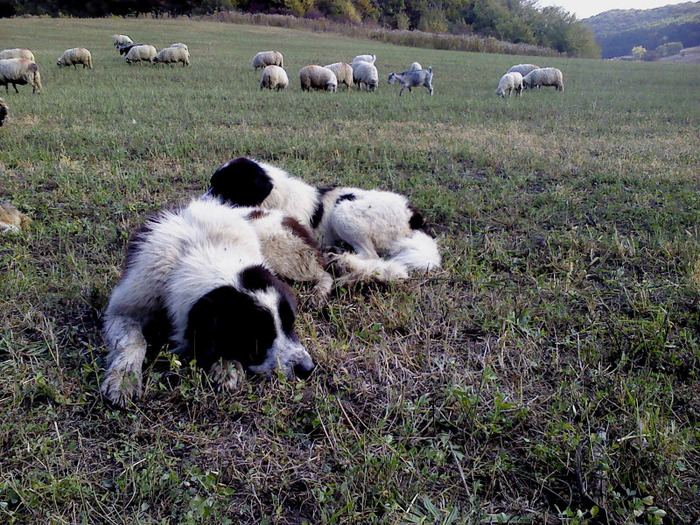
120	386
227	375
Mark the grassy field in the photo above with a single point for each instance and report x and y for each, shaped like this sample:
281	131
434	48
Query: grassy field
548	374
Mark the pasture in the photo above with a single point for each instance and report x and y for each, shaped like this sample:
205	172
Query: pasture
547	374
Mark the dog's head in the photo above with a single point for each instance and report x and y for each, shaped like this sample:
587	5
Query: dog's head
252	323
241	182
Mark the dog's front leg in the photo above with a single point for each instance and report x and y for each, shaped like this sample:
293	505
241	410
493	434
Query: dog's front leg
123	380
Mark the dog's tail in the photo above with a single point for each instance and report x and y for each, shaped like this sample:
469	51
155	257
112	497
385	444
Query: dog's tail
352	268
417	252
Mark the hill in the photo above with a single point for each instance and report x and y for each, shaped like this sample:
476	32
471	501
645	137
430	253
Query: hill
618	31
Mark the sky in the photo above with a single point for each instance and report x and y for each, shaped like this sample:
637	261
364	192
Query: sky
585	8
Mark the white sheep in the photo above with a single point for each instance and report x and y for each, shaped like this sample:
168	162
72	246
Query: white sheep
172	55
509	83
274	77
523	69
3	112
180	44
75	56
17	52
415	66
542	77
415	78
365	74
364	58
268	58
141	53
19	71
118	40
317	77
343	73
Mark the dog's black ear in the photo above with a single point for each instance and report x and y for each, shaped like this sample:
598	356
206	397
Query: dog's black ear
241	182
228	324
416	222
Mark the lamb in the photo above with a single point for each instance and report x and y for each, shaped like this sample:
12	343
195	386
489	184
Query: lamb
75	56
364	58
268	58
343	73
509	83
17	52
415	66
365	74
19	71
317	77
3	112
141	53
118	40
411	79
546	76
125	48
172	55
274	77
523	69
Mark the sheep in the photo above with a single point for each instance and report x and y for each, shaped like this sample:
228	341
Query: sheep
141	53
546	76
268	58
19	71
343	72
118	40
523	69
17	52
364	58
172	55
11	219
415	66
509	83
180	44
3	112
411	79
365	74
75	56
274	77
317	77
125	48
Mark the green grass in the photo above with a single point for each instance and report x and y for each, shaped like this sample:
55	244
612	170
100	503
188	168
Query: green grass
551	367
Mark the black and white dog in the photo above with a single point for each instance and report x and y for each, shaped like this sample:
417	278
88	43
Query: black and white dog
381	227
204	267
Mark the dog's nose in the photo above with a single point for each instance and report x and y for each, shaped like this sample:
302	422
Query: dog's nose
303	371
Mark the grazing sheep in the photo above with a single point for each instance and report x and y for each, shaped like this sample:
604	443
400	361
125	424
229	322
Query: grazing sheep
274	77
546	76
75	56
415	78
3	112
19	71
523	69
141	53
343	72
118	40
364	58
11	219
365	74
125	48
509	83
17	53
415	66
172	55
180	44
268	58
317	77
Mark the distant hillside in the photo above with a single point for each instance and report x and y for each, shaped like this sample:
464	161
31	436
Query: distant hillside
618	31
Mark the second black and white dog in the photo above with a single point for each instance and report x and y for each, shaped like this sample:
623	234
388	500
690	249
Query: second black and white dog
204	266
382	228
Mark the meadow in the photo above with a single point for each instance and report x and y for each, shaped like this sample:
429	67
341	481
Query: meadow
548	373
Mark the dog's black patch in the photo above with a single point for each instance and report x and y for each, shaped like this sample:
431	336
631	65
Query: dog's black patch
228	324
241	182
319	209
346	197
257	278
416	222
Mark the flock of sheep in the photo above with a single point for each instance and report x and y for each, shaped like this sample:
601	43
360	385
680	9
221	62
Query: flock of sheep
171	55
528	76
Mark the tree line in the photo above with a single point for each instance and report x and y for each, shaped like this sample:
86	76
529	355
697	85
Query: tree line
518	21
